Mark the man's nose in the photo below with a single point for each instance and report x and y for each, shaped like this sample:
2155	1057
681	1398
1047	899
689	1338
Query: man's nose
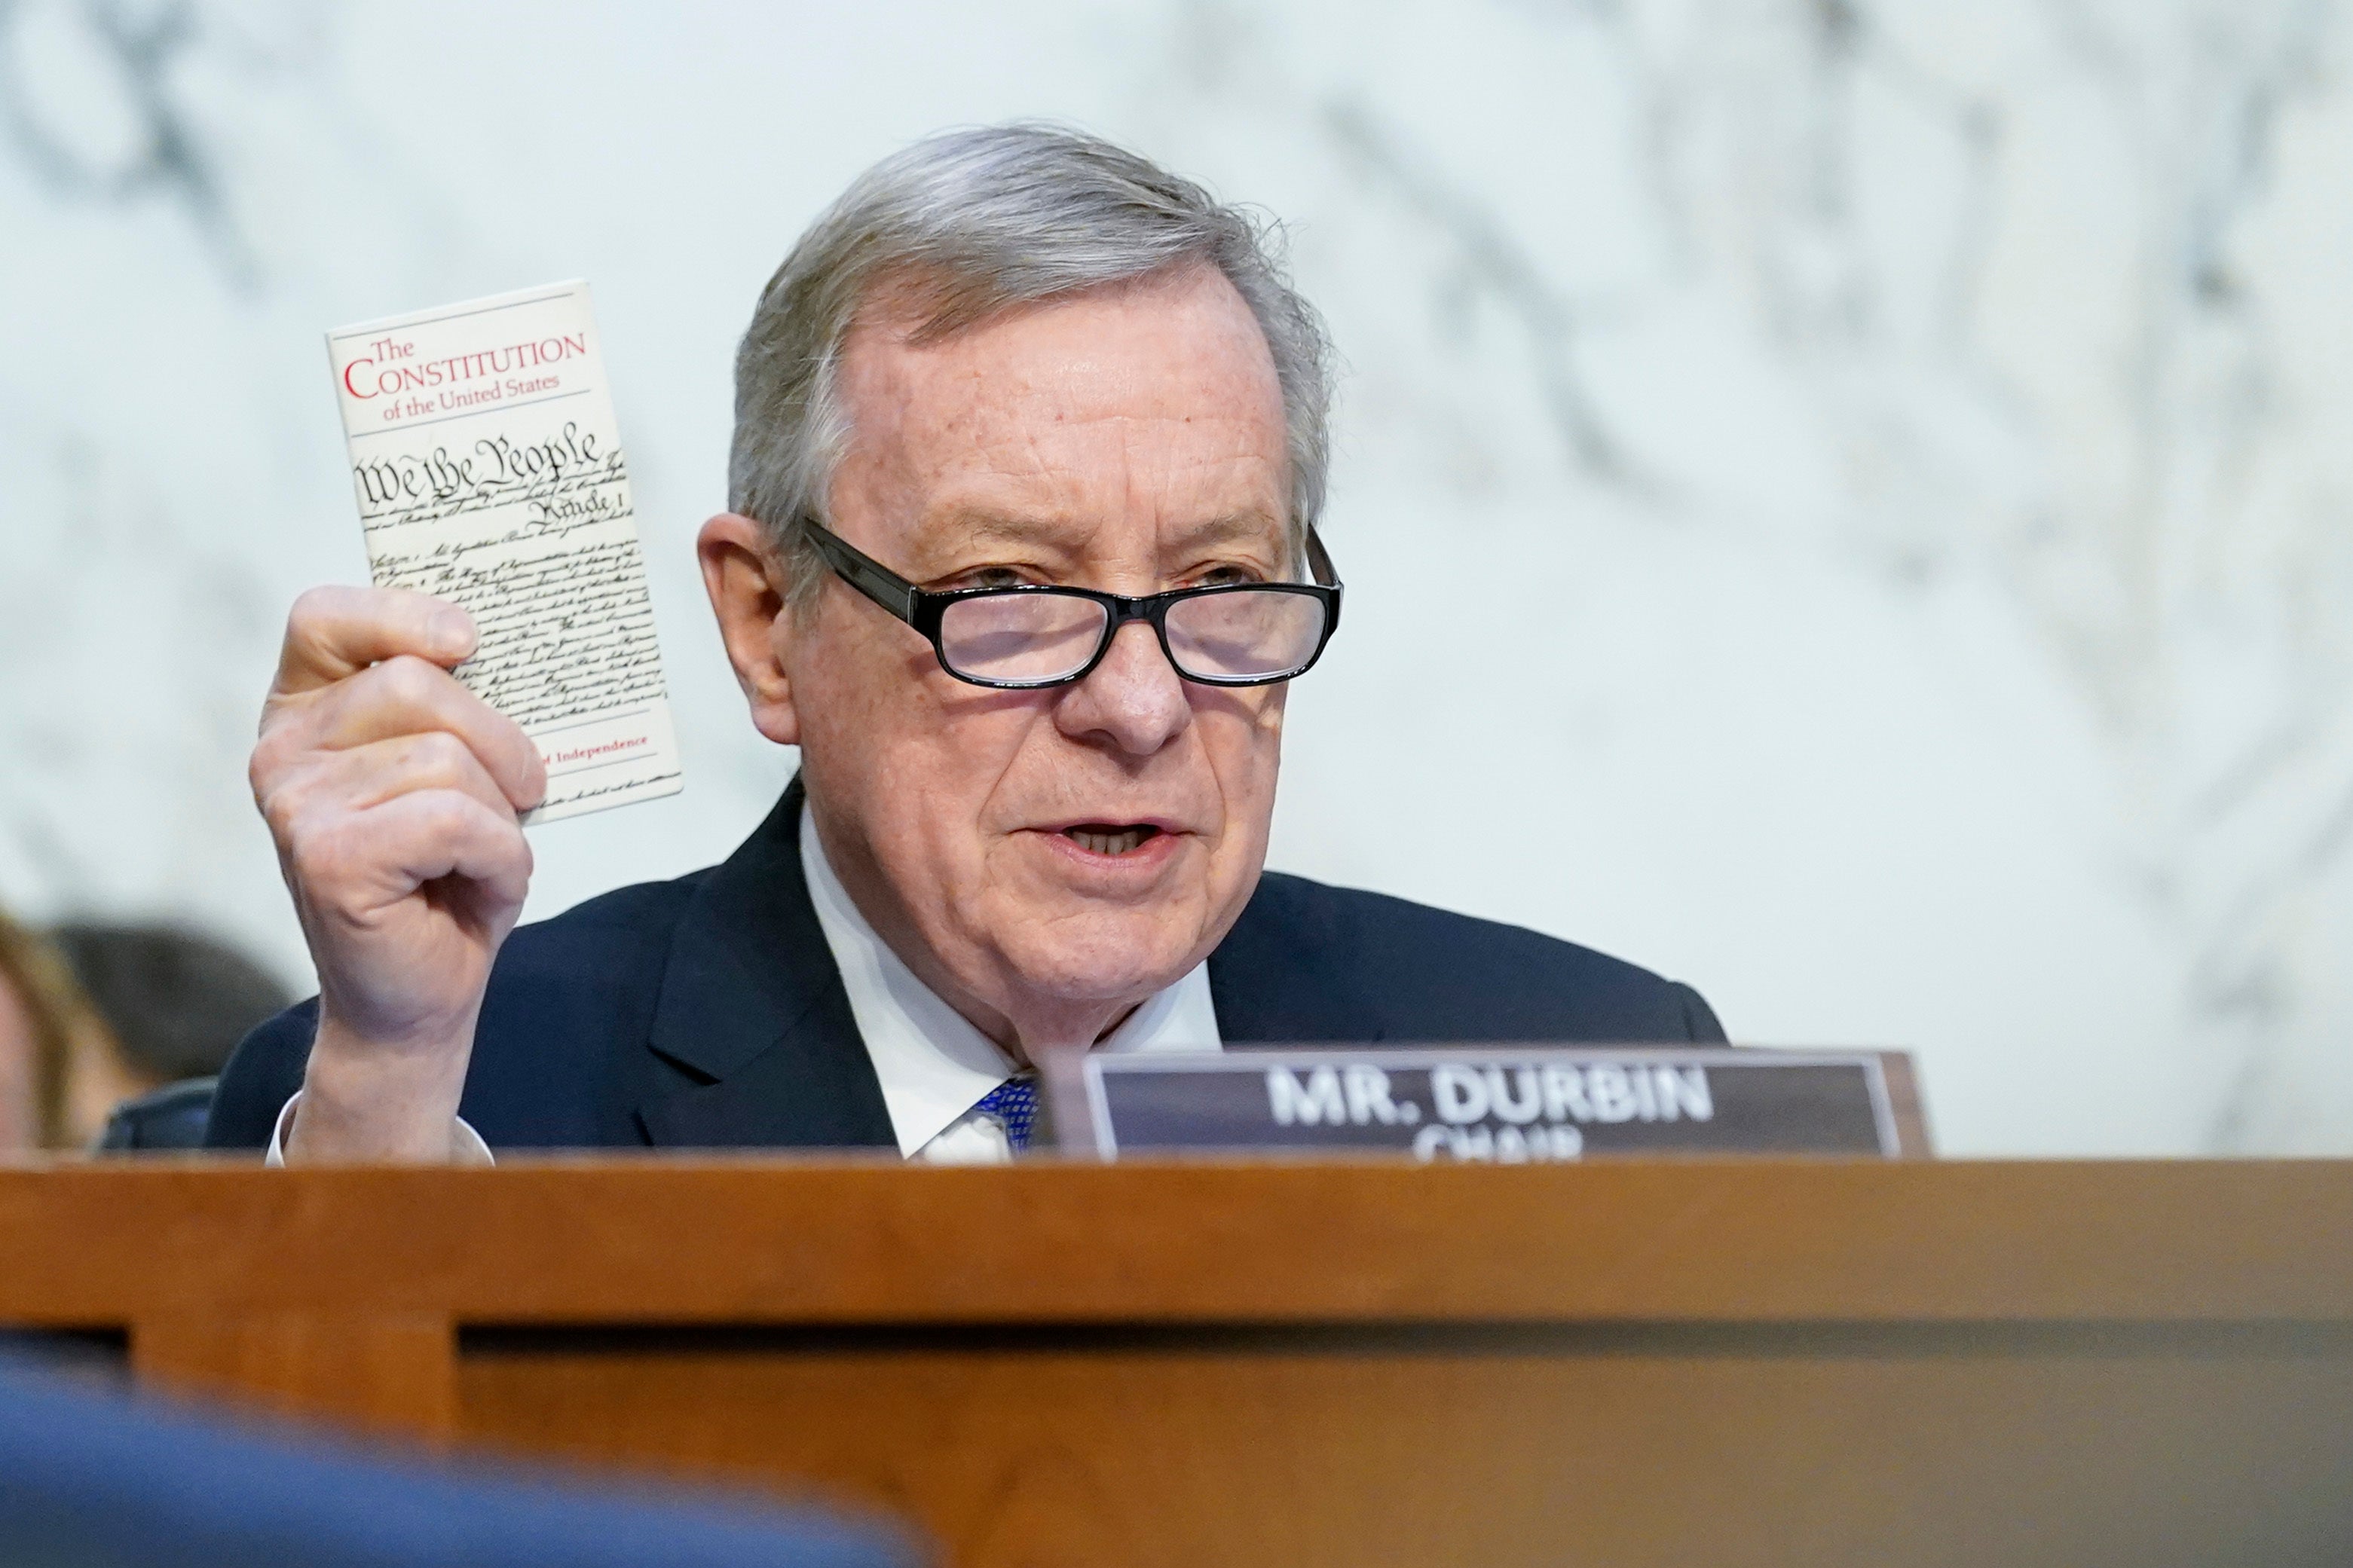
1134	699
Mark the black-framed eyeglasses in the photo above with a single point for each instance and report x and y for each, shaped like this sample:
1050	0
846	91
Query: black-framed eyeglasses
1039	634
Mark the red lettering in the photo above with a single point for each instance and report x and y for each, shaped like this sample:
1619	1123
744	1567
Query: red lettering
354	391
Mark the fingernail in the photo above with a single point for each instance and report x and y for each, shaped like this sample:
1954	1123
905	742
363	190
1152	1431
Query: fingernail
451	633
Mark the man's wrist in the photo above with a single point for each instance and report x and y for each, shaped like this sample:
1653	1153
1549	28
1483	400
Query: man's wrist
365	1100
467	1147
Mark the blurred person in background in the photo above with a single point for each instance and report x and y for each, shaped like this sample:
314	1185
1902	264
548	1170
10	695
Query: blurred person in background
175	1005
57	1055
112	1033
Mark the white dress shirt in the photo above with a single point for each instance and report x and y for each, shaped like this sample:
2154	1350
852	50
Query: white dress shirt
933	1065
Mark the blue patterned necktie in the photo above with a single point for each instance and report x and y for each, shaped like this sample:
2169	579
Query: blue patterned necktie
1014	1103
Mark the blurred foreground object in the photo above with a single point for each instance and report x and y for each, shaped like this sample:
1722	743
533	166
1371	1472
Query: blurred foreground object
92	1479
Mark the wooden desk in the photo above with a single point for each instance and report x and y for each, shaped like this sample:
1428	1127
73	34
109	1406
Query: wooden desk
1701	1363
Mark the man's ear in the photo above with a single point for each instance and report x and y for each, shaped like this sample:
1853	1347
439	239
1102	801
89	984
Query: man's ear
746	583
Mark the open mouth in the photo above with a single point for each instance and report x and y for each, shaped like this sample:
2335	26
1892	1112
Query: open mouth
1111	838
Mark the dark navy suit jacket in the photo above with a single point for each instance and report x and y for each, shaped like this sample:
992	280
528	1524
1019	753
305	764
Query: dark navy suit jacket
708	1012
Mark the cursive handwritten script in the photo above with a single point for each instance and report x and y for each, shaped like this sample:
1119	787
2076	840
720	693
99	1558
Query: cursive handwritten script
518	507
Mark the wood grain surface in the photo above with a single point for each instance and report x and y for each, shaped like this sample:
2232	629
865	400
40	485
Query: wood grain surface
1754	1361
657	1240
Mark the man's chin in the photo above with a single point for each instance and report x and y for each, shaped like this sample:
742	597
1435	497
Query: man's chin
1073	927
1102	955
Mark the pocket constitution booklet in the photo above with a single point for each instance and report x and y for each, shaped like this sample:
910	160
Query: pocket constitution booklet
488	472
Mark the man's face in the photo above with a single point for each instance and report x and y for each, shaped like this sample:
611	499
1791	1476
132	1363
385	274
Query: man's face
1046	859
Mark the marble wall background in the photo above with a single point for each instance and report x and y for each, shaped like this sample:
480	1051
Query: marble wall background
1884	461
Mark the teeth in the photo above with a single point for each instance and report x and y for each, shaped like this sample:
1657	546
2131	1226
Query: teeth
1122	842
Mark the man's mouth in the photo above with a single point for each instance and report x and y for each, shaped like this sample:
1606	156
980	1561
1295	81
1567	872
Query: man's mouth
1111	838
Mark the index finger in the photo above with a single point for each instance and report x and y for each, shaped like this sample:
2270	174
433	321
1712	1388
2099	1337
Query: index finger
335	632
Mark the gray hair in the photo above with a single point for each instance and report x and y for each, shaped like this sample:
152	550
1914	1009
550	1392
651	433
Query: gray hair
966	225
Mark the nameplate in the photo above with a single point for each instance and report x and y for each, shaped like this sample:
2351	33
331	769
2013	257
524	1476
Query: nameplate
1504	1104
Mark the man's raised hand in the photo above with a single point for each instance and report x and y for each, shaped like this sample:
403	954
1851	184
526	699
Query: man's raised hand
392	793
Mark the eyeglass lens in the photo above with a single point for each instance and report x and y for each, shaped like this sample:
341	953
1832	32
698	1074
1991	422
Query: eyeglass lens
1239	635
1235	636
1020	636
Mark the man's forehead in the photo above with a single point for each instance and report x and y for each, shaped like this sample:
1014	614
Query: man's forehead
1126	361
1068	531
1142	407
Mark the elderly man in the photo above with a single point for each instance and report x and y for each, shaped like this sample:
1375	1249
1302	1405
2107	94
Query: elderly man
1029	449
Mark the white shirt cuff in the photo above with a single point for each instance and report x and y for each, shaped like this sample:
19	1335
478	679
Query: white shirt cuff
465	1145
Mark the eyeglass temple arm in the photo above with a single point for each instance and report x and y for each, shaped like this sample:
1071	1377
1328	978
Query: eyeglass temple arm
1319	559
862	572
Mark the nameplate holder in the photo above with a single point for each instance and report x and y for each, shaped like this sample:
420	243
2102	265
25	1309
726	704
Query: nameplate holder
1501	1104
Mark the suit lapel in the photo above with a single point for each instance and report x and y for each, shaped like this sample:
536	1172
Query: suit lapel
753	1002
